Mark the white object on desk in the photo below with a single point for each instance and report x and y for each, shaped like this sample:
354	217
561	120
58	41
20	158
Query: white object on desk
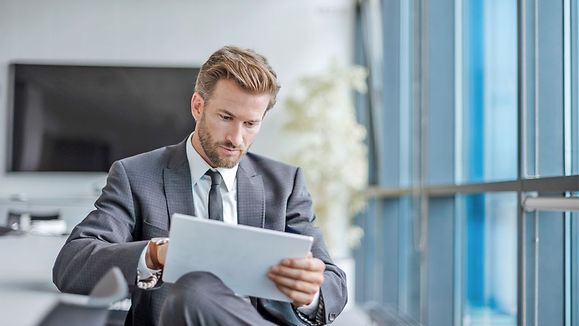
239	255
48	227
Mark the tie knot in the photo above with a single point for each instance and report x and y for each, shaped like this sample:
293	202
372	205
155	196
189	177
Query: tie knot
215	177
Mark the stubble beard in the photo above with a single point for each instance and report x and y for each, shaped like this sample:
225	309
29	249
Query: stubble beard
210	147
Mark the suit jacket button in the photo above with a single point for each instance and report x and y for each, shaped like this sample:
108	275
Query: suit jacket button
331	317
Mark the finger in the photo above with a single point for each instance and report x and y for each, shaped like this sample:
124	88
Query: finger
298	298
290	283
310	263
298	274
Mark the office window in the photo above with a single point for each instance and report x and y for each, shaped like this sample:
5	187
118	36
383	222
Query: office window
411	241
489	251
545	268
479	112
573	60
488	128
572	269
544	89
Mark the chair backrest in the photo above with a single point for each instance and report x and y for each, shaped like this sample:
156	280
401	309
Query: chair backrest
111	287
91	310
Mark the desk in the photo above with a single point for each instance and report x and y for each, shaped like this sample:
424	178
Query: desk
71	210
26	288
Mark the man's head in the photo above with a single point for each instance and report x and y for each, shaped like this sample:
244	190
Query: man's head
248	69
234	90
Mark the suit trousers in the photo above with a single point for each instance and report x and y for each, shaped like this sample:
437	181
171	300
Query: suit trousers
201	298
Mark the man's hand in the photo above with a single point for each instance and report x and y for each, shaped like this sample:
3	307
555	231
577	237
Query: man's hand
299	278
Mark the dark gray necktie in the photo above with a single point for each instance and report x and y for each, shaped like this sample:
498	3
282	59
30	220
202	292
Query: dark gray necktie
215	201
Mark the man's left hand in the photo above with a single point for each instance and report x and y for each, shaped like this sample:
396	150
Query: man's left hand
299	278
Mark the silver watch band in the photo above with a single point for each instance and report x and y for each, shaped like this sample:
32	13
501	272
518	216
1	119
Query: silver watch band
150	281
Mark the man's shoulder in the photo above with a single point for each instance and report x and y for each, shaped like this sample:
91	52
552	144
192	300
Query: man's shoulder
146	156
275	174
260	162
154	159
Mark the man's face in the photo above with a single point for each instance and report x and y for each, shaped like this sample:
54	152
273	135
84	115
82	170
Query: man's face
227	123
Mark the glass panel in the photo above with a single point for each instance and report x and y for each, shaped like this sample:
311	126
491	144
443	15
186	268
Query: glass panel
573	287
575	142
530	105
388	259
440	261
575	87
366	255
438	138
489	258
545	268
545	126
410	243
488	128
409	124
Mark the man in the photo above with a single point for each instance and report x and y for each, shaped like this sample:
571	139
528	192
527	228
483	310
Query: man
209	175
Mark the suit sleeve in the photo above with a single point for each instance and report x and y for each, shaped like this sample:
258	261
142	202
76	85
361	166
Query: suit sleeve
102	240
300	219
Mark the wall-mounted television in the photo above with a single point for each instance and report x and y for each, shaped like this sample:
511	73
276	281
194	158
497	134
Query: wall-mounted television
77	118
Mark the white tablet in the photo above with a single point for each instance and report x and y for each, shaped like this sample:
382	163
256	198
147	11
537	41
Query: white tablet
239	255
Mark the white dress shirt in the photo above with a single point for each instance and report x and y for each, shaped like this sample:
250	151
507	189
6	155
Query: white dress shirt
201	185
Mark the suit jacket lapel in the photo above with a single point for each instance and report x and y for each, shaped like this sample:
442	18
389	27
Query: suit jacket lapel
177	182
250	196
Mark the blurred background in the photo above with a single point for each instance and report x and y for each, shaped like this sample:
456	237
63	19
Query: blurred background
451	126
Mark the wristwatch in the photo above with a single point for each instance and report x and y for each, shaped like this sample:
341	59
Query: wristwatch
318	318
152	248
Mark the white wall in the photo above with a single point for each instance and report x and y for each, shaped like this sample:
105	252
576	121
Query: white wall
297	36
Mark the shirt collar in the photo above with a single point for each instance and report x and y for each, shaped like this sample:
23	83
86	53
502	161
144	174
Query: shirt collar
198	167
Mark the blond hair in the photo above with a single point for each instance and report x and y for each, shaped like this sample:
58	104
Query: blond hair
248	69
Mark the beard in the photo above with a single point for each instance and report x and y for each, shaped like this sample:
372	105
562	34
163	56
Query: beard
211	148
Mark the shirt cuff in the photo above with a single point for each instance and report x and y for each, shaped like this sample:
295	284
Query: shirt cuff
144	272
311	308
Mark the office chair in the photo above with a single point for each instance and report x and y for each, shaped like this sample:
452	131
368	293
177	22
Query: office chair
91	310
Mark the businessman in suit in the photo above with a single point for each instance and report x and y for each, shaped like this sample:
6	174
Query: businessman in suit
209	175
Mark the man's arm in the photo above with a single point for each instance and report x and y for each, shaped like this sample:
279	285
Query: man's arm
102	240
302	278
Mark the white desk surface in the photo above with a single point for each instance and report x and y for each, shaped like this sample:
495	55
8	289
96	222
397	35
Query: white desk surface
26	288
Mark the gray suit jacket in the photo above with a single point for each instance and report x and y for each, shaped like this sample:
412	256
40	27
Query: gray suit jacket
141	194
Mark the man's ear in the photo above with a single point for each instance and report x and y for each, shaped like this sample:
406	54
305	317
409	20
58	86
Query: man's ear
197	106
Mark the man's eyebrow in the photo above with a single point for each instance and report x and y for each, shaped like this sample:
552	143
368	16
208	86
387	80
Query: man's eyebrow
224	111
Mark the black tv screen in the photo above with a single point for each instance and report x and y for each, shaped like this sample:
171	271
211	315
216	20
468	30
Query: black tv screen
83	118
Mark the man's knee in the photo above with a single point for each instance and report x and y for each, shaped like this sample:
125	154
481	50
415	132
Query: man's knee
198	280
196	288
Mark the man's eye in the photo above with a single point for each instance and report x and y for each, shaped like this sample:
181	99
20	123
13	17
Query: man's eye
225	117
251	124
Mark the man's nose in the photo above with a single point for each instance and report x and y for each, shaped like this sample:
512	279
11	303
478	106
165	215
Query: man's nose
235	136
